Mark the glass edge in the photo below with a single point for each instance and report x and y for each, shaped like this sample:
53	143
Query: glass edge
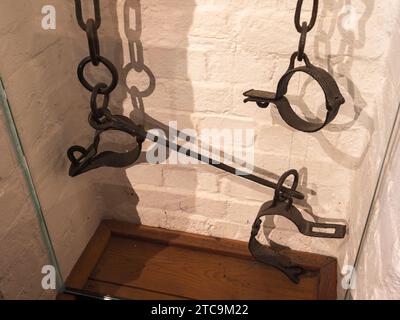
23	164
393	137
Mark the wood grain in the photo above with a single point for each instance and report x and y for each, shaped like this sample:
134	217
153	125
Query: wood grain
139	262
195	274
220	246
88	259
116	290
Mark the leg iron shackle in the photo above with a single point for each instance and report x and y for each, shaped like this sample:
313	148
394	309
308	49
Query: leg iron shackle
283	206
86	159
333	97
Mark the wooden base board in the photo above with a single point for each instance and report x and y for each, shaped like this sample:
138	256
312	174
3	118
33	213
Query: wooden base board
138	262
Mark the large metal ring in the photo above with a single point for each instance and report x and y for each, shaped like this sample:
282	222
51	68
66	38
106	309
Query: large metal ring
333	97
108	64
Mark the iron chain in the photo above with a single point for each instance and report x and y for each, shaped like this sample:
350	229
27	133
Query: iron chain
91	26
303	27
100	118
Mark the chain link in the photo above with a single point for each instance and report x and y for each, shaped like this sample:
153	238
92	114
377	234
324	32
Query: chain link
108	64
302	42
79	14
93	42
310	25
98	112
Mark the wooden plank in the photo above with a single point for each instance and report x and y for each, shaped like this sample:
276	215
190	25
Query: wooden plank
195	274
116	290
206	243
88	259
63	296
139	262
328	282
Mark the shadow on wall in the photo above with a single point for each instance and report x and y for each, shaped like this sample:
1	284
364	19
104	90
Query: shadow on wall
340	65
343	16
137	82
338	15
